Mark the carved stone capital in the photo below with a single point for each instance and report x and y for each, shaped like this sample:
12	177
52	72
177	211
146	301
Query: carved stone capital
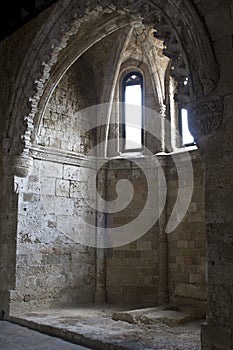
206	116
19	165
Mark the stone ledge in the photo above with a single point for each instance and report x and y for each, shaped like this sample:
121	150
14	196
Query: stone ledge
171	315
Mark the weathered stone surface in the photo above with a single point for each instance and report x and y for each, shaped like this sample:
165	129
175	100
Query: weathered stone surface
92	325
171	315
75	55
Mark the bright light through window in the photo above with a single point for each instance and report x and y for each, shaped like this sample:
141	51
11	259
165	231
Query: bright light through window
133	117
133	122
187	138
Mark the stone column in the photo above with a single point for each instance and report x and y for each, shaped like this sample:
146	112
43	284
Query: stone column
165	134
100	282
11	166
163	293
163	268
100	285
214	135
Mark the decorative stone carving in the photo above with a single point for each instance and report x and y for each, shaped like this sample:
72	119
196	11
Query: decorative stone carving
206	78
206	116
180	70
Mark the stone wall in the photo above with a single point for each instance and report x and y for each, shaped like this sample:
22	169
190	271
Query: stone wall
216	148
13	52
52	267
187	243
8	216
133	270
63	126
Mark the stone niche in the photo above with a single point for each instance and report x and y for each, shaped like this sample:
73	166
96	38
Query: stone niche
52	267
133	271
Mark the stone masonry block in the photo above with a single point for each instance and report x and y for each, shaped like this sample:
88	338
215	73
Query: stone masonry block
59	205
47	186
182	244
71	172
50	169
190	291
62	188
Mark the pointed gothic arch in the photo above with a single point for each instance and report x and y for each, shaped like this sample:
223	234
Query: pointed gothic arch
61	41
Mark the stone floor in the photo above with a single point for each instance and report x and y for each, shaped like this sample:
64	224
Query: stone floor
15	337
105	327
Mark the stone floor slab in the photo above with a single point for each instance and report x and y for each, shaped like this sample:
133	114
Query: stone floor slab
93	326
16	337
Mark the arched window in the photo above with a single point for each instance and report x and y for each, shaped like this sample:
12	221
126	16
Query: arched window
177	115
132	88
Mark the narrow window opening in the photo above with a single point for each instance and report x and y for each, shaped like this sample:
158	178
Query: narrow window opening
133	113
187	138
